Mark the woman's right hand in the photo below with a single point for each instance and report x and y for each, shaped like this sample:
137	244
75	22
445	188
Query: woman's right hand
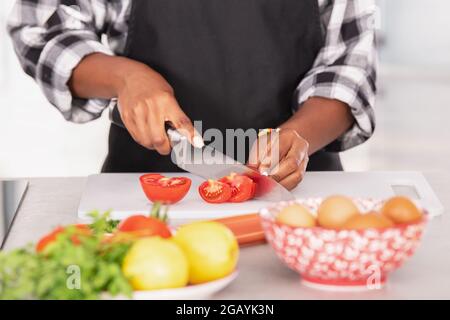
146	101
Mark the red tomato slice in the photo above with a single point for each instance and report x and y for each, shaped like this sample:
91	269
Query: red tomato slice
242	187
213	191
158	188
81	229
143	226
151	177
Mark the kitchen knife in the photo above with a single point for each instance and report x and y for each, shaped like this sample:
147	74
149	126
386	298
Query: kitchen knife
210	163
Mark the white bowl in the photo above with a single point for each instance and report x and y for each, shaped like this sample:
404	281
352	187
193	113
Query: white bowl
191	292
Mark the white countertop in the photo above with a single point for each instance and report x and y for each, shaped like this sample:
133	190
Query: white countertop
54	201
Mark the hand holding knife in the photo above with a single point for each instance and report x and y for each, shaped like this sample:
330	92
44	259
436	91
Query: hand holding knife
202	161
183	152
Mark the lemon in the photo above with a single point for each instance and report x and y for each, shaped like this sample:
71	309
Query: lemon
156	263
211	249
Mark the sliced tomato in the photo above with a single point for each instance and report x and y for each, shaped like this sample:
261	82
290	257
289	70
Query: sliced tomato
143	226
242	187
80	229
151	177
214	191
162	189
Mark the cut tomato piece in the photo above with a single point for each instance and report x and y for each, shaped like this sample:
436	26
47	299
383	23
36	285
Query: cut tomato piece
213	191
162	189
151	177
80	230
242	187
142	226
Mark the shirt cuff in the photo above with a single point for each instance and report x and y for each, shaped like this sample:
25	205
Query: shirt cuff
351	86
56	63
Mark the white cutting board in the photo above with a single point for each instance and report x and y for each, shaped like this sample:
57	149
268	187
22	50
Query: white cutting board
122	194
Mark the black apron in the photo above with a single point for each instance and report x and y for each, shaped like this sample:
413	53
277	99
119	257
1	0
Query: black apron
232	63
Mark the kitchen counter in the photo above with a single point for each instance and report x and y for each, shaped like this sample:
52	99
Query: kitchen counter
54	201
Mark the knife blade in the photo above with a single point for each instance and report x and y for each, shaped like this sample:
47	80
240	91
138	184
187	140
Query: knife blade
209	163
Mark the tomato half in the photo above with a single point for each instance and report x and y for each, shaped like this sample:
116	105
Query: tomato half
242	187
151	177
162	189
80	229
142	226
213	191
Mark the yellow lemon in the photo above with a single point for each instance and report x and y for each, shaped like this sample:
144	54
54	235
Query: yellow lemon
156	263
211	249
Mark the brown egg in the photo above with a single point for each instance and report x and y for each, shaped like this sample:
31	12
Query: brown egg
296	215
334	211
368	220
401	210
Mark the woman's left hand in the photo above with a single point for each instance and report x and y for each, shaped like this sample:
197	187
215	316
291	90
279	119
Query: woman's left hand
281	154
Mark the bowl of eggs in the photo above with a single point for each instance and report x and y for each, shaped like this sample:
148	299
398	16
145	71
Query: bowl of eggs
340	243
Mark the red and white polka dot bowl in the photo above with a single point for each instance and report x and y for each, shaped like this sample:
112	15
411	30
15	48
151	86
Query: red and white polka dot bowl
341	259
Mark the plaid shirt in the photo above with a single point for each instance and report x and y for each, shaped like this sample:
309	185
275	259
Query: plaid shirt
52	36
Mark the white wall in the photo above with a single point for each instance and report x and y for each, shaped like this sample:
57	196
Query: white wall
418	33
35	140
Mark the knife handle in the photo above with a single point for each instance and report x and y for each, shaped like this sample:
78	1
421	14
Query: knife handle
175	136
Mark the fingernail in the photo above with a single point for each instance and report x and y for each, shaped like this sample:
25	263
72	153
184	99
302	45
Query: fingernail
264	172
198	142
